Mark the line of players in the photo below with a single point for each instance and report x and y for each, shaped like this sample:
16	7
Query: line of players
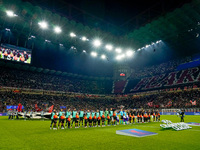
13	114
100	118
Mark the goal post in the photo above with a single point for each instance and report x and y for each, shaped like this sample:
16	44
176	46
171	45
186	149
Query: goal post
170	111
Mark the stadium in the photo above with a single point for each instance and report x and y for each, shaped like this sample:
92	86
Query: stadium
99	74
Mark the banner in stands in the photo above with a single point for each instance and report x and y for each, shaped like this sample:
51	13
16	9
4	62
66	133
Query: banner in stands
14	53
190	75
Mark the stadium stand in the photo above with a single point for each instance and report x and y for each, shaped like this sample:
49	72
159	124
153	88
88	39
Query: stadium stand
162	99
119	86
169	66
27	87
32	80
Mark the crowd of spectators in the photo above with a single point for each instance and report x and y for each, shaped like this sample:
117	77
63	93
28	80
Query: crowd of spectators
160	100
153	70
33	80
181	99
41	81
45	101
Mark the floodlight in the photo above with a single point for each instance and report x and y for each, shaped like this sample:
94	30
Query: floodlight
84	51
72	34
97	43
123	55
7	29
10	13
43	25
103	56
118	50
94	54
119	57
84	38
57	29
109	47
72	47
47	41
129	53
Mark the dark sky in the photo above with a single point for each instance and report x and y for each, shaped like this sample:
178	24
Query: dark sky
125	14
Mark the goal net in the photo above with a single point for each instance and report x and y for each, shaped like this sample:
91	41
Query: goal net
170	111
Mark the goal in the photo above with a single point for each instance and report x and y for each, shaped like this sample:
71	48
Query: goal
170	111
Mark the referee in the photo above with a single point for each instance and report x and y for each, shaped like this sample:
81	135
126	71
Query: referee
182	115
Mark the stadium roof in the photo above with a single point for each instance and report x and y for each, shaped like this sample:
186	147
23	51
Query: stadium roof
27	67
171	28
178	29
105	14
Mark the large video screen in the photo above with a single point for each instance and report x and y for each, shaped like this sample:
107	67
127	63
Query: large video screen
15	53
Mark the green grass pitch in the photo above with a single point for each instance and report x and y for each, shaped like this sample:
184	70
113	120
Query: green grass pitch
36	134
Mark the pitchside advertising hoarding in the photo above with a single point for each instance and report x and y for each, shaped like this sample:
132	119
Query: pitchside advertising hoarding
175	113
13	107
3	114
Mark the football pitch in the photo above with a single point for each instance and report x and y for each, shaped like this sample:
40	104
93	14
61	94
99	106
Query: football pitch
36	134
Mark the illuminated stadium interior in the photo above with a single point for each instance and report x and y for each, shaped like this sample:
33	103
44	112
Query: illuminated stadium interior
103	64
